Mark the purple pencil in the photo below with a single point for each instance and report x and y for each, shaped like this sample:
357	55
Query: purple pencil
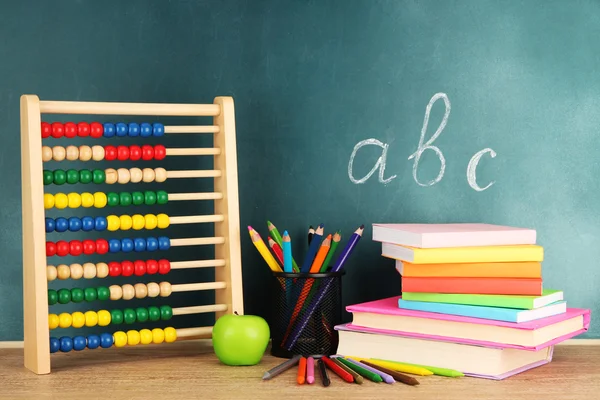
386	377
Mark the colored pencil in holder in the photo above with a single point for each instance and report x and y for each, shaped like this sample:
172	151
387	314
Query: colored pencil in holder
312	250
274	232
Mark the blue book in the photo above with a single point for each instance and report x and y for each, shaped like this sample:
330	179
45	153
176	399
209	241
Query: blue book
492	313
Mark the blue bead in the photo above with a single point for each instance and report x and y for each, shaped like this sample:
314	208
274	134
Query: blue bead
74	224
158	129
61	224
100	223
164	243
134	129
54	345
66	344
126	245
109	130
151	244
122	129
146	130
106	340
79	343
139	244
50	225
114	245
93	341
87	224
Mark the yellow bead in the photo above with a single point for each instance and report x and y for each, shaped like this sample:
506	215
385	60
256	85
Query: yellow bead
100	200
65	320
91	318
125	222
103	318
120	339
53	321
151	221
74	200
145	336
48	201
163	221
78	319
87	200
138	222
112	223
170	335
158	336
61	200
133	338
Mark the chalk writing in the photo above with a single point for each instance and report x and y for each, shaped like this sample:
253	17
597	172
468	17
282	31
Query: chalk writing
379	164
472	169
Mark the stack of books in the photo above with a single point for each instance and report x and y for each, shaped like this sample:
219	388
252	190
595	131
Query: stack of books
472	300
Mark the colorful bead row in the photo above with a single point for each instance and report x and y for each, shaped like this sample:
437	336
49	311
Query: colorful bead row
118	339
139	268
77	295
111	222
97	130
99	153
72	153
77	271
63	248
109	176
104	317
140	290
101	200
75	224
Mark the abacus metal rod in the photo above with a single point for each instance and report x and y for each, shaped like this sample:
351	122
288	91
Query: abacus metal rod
112	108
199	309
192	287
193	129
195	196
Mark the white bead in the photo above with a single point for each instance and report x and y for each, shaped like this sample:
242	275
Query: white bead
72	153
97	153
148	175
51	273
136	175
123	176
46	153
85	153
89	271
165	289
161	174
111	176
101	270
153	289
76	271
58	153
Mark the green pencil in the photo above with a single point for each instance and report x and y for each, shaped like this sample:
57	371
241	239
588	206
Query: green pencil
364	372
277	238
334	244
436	371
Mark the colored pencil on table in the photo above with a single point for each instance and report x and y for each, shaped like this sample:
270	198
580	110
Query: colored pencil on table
397	366
323	372
263	250
334	244
273	372
361	370
312	250
310	370
311	232
279	240
407	380
337	370
357	377
287	252
301	376
385	377
435	370
276	250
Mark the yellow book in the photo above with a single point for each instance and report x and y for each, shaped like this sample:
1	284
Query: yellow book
451	255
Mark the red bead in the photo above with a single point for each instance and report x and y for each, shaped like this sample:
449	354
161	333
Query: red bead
135	152
50	249
127	267
159	152
122	153
96	130
46	130
151	267
114	268
140	267
147	152
70	130
75	247
89	246
110	153
164	266
58	130
83	129
62	248
101	246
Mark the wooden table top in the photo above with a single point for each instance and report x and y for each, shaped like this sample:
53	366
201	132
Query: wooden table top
189	370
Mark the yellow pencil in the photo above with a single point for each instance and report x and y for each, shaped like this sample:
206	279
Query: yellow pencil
263	250
409	369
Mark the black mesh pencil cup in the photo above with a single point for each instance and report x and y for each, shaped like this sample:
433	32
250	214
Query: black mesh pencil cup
306	307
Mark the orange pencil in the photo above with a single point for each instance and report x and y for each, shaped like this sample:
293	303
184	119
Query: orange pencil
301	378
320	257
276	249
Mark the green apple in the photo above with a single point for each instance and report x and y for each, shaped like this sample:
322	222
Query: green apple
240	339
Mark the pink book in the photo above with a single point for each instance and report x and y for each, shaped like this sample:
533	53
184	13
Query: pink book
452	235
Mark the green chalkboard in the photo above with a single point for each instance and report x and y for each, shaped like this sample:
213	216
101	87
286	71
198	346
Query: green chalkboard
478	110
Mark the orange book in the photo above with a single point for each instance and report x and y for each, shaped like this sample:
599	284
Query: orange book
472	270
512	286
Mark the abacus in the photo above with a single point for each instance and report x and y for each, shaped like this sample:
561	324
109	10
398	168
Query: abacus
39	344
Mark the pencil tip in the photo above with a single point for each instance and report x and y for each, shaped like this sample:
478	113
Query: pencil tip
310	227
362	226
285	233
250	228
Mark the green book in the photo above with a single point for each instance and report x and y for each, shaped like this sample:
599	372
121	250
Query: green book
548	296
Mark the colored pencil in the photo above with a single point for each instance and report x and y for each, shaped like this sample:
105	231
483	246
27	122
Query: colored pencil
263	250
357	377
397	366
363	371
321	254
339	264
310	370
273	372
287	252
436	370
407	380
311	232
334	244
278	239
301	376
312	250
276	250
337	370
385	377
324	375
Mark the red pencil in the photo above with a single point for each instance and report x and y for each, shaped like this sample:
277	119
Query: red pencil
339	371
276	249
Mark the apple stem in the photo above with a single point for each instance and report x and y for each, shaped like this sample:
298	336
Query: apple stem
236	313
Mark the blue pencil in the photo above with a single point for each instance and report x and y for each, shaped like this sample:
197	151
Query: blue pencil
315	243
287	252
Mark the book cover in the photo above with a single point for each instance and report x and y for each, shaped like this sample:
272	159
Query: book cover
548	296
509	286
472	270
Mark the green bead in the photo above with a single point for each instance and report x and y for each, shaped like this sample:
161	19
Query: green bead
142	314
48	177
90	294
76	295
129	315
64	296
72	176
85	176
52	297
138	198
125	199
112	199
162	197
99	176
103	293
116	317
166	312
150	197
60	177
154	313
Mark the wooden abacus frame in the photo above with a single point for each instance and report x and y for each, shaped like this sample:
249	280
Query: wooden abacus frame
227	263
